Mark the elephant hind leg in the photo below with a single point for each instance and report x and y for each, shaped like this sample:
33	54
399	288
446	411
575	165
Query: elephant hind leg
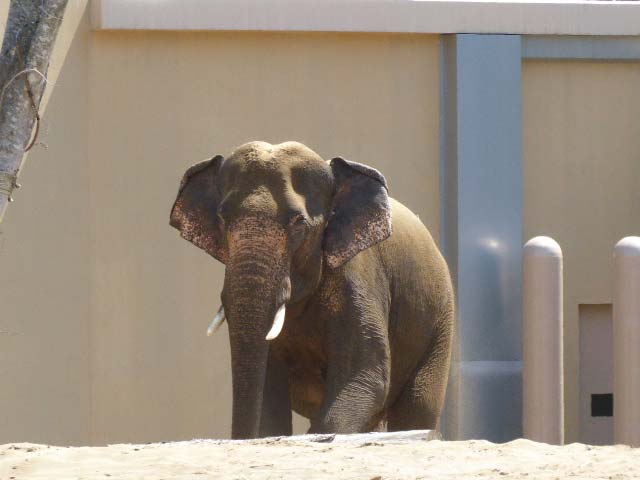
421	401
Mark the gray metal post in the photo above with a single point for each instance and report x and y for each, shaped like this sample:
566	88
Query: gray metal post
626	339
542	346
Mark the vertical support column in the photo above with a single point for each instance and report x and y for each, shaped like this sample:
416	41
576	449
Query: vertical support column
481	118
626	342
542	373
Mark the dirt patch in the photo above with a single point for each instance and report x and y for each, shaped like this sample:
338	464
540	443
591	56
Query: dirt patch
284	459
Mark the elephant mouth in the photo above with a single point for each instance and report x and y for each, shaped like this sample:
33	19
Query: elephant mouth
276	327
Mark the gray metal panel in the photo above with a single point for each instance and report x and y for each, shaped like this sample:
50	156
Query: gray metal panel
555	47
490	407
569	17
449	153
489	196
450	422
481	115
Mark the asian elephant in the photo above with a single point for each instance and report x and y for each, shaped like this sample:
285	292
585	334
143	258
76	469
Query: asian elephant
338	302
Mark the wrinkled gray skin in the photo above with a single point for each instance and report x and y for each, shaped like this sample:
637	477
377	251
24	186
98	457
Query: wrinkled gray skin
369	304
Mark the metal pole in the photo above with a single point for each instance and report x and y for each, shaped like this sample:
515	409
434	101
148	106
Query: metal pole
542	338
626	342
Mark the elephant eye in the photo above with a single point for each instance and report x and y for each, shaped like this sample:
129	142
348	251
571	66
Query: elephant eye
298	220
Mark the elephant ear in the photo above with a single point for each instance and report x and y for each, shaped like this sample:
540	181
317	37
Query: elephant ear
361	214
194	212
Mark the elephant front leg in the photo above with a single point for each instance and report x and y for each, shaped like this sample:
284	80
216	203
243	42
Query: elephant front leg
357	407
357	377
276	404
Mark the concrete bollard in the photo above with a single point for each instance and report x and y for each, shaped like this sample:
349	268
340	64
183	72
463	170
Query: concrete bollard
542	338
626	342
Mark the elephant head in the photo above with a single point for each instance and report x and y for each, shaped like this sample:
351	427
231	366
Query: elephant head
276	216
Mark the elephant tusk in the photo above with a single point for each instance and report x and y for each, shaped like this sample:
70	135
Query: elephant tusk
218	320
278	323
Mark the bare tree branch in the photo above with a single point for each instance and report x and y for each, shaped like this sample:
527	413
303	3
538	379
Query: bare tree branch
32	27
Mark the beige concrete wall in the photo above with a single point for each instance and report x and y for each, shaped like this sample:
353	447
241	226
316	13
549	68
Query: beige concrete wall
596	370
581	177
45	288
108	305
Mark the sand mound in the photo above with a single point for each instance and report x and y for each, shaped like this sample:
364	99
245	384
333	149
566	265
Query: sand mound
275	459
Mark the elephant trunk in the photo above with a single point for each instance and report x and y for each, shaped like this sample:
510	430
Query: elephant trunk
249	353
256	287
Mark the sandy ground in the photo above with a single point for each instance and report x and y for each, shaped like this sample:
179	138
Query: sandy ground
271	459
